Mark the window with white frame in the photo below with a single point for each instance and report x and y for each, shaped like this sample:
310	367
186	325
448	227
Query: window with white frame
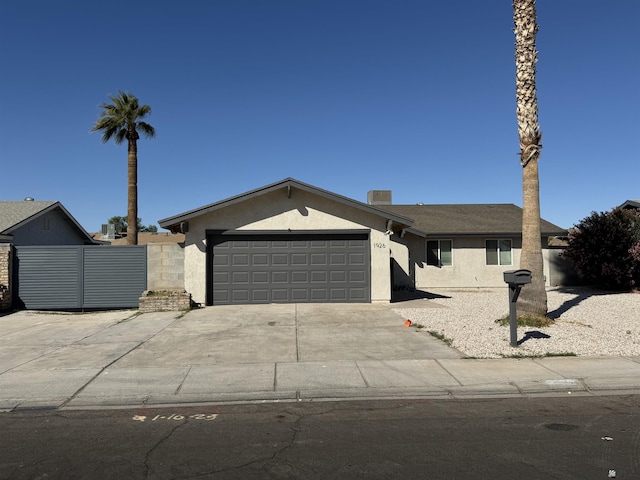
439	253
498	251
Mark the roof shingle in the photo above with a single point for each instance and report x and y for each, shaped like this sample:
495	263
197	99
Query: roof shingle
470	219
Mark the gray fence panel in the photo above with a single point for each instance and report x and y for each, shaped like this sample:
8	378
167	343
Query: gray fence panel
114	277
48	277
79	277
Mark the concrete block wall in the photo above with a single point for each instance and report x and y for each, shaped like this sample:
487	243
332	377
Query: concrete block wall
5	275
165	266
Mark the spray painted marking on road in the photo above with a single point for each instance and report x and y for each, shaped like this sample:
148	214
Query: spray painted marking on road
176	416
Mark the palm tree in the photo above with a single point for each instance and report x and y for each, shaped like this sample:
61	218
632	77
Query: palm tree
533	299
119	120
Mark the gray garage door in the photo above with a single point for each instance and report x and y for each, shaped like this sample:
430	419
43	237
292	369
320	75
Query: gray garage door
295	268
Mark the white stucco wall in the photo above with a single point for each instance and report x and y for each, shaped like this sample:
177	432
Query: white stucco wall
275	211
469	267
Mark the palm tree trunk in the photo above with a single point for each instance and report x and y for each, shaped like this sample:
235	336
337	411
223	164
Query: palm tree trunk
533	299
132	192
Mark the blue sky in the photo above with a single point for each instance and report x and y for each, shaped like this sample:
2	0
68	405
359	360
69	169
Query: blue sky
411	96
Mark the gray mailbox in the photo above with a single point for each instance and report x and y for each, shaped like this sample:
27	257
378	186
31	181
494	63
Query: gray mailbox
516	279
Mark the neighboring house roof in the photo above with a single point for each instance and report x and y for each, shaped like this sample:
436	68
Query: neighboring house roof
15	214
631	204
173	223
473	219
144	238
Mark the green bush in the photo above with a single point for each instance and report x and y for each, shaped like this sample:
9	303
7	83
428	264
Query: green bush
605	249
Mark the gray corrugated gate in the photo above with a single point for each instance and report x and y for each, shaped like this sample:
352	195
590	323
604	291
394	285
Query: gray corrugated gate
289	268
79	276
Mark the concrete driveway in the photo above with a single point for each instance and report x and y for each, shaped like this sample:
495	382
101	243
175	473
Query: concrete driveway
264	353
286	333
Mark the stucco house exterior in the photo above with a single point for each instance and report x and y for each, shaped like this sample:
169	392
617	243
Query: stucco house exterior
467	245
291	242
31	222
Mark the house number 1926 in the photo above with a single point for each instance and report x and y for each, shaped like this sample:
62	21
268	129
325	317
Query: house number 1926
380	245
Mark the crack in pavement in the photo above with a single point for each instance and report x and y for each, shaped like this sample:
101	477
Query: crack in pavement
157	445
82	388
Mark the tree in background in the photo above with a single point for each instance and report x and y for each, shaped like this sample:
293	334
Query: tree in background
122	119
533	299
605	249
121	224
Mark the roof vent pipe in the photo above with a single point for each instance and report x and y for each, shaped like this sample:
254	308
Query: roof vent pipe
28	199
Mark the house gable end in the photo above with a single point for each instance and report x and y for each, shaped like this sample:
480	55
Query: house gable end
287	188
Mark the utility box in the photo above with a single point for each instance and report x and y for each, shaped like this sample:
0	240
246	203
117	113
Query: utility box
517	277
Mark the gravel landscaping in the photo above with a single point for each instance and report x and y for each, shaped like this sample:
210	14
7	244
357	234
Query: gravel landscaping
588	323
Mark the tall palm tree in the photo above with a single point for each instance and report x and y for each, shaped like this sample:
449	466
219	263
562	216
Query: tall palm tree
119	120
533	299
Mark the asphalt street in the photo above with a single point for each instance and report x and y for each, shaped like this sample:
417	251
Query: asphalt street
525	438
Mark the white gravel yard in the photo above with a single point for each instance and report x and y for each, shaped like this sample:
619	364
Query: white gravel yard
589	323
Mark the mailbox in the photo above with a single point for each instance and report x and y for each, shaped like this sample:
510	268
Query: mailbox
517	277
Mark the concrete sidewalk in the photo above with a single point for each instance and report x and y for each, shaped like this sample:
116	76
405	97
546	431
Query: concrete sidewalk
266	353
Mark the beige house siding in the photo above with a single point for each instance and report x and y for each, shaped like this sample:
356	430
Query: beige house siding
469	267
299	212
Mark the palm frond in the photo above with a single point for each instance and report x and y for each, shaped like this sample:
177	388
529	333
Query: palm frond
120	119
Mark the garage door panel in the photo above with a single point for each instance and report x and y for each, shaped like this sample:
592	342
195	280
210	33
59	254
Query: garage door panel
319	295
280	277
358	294
280	259
260	259
338	293
272	268
260	295
356	276
299	295
318	259
319	276
239	259
299	259
300	276
260	277
239	278
357	259
221	259
338	276
338	259
280	295
221	297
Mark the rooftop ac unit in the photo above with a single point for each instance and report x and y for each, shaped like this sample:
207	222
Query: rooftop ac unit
108	231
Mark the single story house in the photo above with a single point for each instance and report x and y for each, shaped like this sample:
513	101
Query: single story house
31	222
631	204
291	242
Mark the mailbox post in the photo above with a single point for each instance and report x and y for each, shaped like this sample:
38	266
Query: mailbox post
516	279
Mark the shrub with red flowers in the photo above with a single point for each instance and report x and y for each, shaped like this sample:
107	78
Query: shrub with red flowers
605	249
